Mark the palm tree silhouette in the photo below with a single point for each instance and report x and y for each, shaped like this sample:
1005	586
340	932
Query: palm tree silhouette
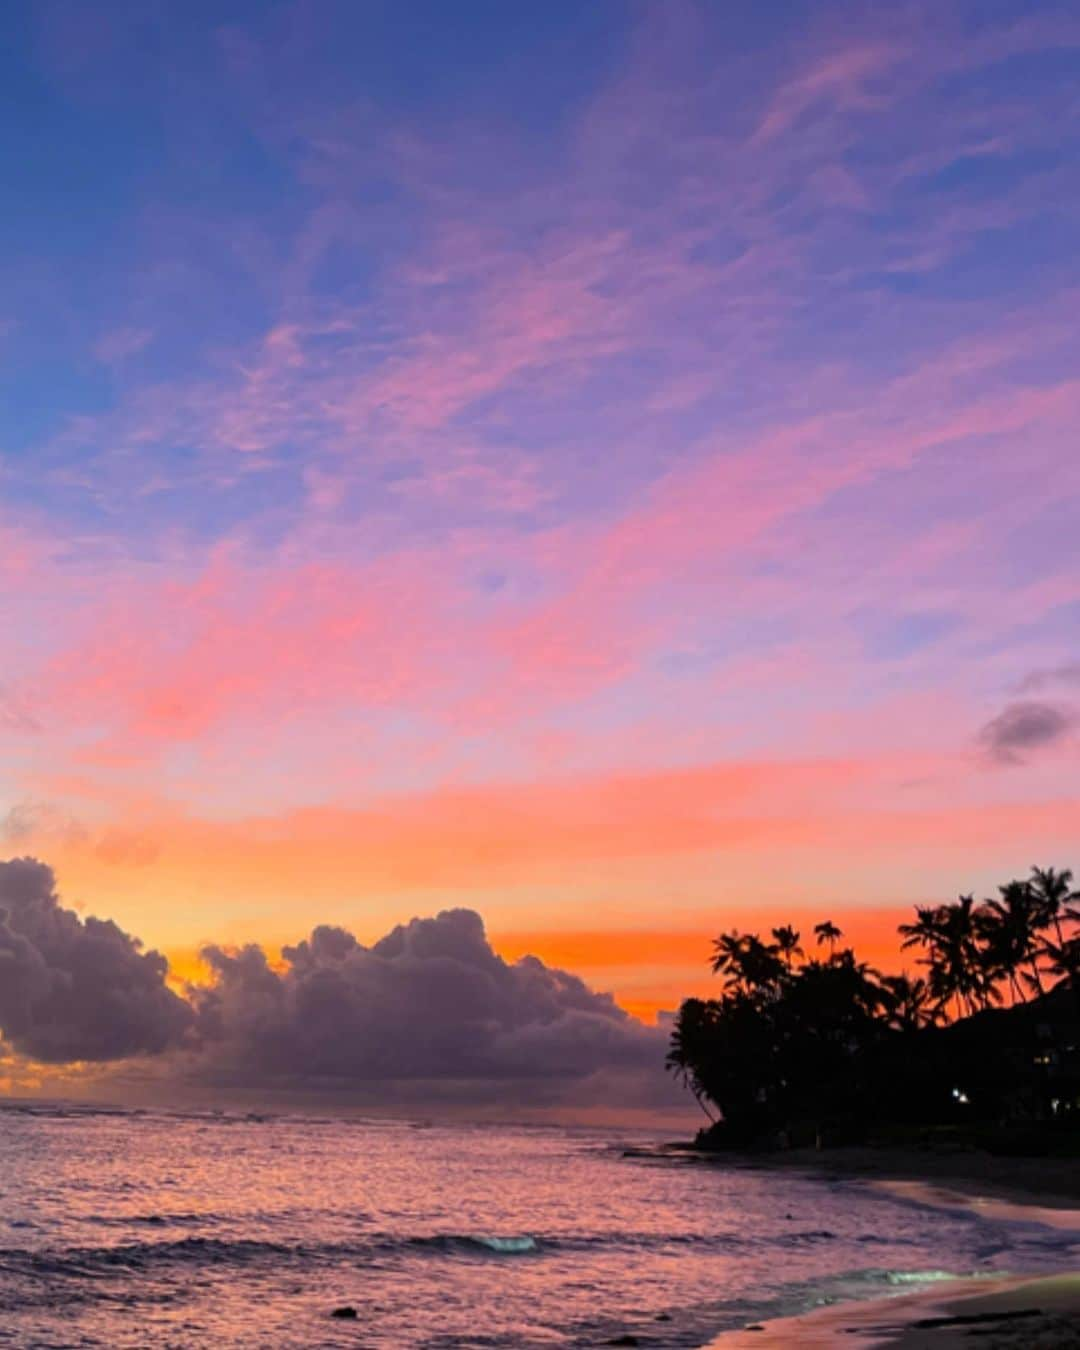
1064	962
749	965
696	1019
954	960
787	941
965	965
792	1041
1064	959
925	932
1052	892
763	970
727	951
1009	929
827	931
909	1002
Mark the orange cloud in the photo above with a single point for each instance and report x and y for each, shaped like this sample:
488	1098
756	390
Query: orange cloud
720	842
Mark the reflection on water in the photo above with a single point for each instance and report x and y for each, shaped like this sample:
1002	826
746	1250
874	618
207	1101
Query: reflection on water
163	1230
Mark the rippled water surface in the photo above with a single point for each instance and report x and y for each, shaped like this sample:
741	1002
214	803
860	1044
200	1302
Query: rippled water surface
123	1230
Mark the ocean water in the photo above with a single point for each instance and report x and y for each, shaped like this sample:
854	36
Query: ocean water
151	1229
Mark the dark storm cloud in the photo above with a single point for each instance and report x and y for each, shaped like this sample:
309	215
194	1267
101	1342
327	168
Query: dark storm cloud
73	989
431	1001
1024	727
429	1013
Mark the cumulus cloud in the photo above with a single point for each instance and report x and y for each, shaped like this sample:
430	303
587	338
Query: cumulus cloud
429	1012
1023	727
431	1001
74	989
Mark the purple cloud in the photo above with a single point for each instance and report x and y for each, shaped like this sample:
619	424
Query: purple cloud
1024	727
431	1001
74	989
429	1009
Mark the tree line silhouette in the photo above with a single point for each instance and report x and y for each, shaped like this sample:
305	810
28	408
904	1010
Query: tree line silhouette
800	1045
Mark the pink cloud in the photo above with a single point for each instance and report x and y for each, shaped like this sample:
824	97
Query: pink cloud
700	525
841	80
175	660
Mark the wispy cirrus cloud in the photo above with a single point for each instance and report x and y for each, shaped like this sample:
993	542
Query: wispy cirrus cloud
1065	676
608	277
713	406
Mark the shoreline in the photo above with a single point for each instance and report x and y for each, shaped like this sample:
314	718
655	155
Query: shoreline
1012	1313
1006	1312
1050	1183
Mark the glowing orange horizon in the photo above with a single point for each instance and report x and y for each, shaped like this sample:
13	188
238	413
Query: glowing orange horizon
651	971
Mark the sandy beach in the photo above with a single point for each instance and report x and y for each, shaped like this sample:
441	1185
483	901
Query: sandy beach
1015	1313
1050	1183
1038	1314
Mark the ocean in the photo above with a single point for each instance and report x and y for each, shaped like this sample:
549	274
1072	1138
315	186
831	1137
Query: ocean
150	1229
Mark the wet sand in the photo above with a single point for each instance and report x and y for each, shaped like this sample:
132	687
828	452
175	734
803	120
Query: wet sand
1052	1183
1021	1314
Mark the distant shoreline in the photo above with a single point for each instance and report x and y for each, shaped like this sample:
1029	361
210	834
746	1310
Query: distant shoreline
1051	1182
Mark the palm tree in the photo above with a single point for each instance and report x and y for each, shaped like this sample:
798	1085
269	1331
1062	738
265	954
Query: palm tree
1052	892
694	1023
909	1003
1065	959
787	941
863	982
1009	931
749	965
827	931
963	957
727	950
1065	962
763	969
925	931
950	936
1019	894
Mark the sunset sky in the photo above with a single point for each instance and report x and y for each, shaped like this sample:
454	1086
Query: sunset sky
609	466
